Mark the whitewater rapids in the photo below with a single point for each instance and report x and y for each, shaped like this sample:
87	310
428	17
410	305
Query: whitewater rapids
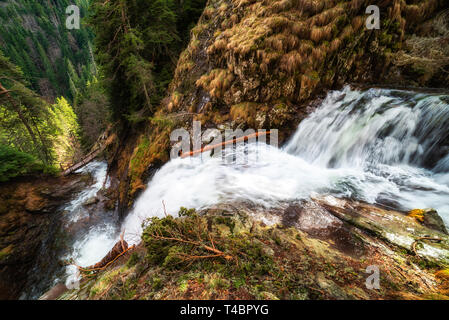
381	146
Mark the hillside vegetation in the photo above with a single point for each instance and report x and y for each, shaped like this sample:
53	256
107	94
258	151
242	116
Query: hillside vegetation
37	130
56	61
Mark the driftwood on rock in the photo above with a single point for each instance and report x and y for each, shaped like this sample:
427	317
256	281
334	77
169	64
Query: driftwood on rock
103	141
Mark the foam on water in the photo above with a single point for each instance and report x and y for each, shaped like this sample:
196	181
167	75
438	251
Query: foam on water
75	207
94	241
380	146
268	177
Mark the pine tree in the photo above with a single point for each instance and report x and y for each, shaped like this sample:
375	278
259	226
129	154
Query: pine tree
28	123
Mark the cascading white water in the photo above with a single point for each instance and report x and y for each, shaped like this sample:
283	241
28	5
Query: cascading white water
83	234
95	239
380	146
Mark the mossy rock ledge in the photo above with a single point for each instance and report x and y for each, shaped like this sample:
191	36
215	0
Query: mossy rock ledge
324	248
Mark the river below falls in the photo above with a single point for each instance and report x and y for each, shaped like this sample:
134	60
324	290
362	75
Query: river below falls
382	146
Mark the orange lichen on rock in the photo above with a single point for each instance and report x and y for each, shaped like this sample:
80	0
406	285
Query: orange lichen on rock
418	214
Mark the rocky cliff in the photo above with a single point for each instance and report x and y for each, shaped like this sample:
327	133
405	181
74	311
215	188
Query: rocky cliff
265	64
29	216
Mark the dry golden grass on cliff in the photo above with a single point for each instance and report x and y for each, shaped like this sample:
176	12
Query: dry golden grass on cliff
264	41
208	12
216	82
326	17
281	32
357	23
185	62
427	55
417	12
291	61
319	34
175	99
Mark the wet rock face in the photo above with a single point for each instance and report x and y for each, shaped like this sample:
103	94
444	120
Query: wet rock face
429	217
391	227
28	209
319	223
255	64
272	52
433	221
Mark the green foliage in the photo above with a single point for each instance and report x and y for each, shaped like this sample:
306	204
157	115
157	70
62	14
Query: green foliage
92	108
173	243
29	124
137	44
132	260
55	60
14	163
184	212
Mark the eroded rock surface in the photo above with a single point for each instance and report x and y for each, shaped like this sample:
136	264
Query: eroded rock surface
27	211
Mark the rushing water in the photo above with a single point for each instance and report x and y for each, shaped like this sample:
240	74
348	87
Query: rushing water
382	146
83	236
97	237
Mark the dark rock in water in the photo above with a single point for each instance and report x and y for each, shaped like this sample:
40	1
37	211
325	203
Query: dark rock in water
319	223
90	201
429	217
54	292
432	220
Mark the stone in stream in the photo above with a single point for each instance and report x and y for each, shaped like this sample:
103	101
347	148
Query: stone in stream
433	221
91	201
429	217
54	292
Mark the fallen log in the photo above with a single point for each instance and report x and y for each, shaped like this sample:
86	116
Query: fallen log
115	251
119	249
82	163
234	140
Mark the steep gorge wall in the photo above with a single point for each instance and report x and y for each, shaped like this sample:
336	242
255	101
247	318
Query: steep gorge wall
259	64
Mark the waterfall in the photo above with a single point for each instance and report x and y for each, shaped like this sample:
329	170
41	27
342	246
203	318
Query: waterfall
91	243
381	146
375	127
